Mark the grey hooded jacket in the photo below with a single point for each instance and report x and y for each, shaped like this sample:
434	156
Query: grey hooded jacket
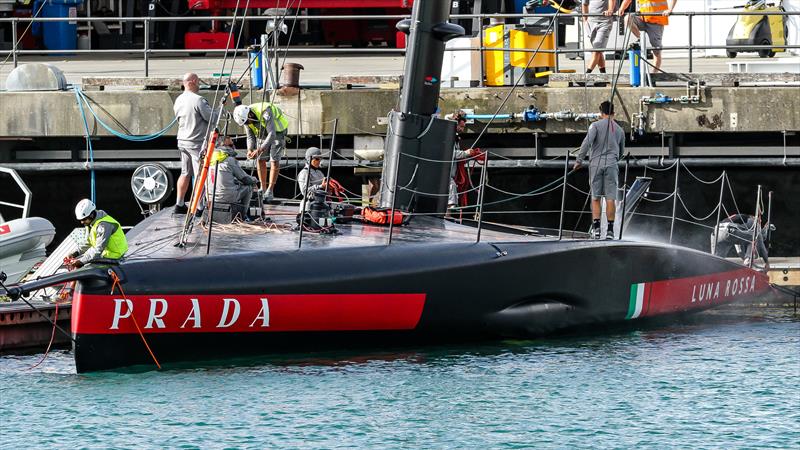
230	178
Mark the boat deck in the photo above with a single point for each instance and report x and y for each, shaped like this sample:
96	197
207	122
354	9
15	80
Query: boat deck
157	236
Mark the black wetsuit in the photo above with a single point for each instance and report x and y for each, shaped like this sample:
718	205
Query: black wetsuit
738	230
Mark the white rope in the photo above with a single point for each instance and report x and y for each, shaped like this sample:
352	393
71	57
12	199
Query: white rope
699	219
658	201
714	181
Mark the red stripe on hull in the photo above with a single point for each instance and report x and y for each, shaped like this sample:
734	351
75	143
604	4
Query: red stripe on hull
684	294
109	314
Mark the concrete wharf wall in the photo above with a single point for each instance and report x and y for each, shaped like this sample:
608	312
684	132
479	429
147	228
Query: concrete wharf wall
722	109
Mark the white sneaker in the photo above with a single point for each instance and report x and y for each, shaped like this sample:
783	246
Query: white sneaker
268	197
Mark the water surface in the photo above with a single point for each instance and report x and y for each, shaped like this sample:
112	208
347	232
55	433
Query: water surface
719	380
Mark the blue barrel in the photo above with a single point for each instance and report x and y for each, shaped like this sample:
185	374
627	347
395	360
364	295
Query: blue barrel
61	35
635	58
519	8
257	73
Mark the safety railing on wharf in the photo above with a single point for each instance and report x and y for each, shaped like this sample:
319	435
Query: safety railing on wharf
484	20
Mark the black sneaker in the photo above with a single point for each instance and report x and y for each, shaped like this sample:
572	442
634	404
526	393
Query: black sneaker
198	213
180	209
596	233
610	233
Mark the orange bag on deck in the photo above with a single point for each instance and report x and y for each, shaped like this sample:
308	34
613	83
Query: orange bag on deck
381	216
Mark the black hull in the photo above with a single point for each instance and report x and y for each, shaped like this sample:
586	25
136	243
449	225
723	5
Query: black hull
401	294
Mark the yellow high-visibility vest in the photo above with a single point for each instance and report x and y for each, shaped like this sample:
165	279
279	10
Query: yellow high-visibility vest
654	6
281	123
117	244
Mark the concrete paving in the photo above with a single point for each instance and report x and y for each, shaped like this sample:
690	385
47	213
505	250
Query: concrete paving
319	67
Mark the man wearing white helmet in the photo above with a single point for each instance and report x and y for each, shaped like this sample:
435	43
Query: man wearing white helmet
104	236
265	125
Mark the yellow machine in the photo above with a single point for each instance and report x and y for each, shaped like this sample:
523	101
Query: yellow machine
502	68
758	30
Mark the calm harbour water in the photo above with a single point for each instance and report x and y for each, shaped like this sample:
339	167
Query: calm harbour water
727	379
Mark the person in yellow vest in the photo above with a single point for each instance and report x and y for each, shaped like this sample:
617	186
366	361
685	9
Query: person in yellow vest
265	125
653	25
105	238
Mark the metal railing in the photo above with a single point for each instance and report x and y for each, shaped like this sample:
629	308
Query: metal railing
147	23
25	206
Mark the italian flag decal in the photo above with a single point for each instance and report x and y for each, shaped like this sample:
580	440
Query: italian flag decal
694	293
637	300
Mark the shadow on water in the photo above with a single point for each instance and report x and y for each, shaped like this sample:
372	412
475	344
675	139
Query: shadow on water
597	338
594	340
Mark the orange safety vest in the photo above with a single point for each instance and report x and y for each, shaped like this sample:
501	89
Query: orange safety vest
654	6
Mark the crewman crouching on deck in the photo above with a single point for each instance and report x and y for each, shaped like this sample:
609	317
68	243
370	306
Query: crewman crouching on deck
738	232
311	175
265	125
234	185
104	236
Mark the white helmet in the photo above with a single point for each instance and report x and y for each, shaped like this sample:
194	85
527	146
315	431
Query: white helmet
240	114
84	209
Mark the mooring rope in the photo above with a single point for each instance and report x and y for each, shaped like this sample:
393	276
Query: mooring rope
49	344
135	322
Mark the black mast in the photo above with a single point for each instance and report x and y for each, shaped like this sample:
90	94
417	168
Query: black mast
414	132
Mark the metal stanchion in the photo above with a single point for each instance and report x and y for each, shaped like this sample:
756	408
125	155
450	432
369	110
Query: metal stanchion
333	143
563	198
675	199
691	15
211	206
305	205
756	229
14	40
394	197
719	211
481	195
555	43
146	47
769	219
481	82
624	198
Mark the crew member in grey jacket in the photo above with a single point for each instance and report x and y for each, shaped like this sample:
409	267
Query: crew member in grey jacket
234	186
193	113
312	175
738	232
605	144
